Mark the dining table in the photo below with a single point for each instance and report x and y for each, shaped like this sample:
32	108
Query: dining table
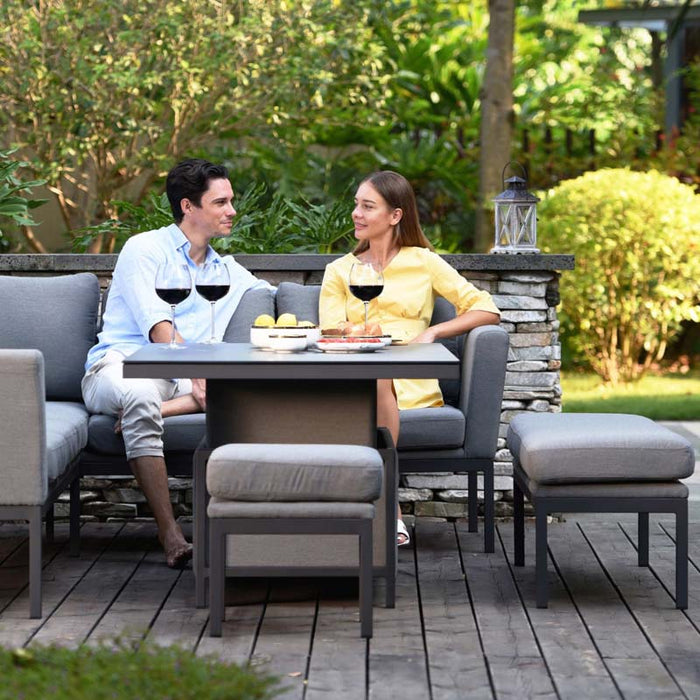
260	396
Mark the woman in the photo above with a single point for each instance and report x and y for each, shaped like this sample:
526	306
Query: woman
389	235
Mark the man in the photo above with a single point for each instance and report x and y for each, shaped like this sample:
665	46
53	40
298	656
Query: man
201	199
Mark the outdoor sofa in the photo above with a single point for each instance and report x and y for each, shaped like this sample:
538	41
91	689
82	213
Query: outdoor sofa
59	315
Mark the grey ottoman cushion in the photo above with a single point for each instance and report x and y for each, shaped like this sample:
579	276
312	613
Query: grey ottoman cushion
222	508
429	428
560	448
56	315
66	434
611	489
181	434
262	472
298	299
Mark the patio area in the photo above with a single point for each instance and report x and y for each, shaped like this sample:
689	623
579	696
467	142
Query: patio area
465	624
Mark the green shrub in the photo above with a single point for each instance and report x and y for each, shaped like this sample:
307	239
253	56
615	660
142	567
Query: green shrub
122	673
636	238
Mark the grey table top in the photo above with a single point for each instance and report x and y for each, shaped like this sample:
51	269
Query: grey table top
243	361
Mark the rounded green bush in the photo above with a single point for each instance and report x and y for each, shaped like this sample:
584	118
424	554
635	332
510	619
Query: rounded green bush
636	238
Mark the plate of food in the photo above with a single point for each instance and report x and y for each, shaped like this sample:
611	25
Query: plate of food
349	344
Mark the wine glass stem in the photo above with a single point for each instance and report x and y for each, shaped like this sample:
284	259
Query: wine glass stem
366	303
172	332
213	339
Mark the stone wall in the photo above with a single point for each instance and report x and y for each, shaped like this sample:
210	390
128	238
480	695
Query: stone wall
525	288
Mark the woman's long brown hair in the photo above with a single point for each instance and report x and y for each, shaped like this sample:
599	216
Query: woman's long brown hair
398	194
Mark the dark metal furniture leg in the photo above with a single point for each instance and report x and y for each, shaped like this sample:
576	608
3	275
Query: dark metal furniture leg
217	559
682	556
365	532
35	562
74	518
200	537
473	502
643	539
541	583
488	510
518	524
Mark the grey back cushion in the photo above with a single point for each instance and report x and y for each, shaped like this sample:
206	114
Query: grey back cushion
253	303
57	316
298	299
302	300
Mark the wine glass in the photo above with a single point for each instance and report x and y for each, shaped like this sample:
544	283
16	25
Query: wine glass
173	286
366	282
212	282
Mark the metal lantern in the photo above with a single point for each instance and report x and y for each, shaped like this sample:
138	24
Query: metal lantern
515	216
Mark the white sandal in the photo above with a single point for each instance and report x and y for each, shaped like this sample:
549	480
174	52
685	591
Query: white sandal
402	532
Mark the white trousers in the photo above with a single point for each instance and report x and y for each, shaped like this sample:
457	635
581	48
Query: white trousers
137	400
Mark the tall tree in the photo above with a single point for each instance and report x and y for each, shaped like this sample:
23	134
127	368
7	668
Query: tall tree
496	114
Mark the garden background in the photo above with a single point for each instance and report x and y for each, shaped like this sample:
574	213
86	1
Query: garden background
301	98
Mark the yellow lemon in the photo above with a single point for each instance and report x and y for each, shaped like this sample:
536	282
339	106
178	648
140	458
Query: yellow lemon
305	324
264	320
287	320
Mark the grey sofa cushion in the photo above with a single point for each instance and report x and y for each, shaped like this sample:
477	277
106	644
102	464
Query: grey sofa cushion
252	304
612	489
66	434
298	299
56	315
430	428
181	434
279	472
561	448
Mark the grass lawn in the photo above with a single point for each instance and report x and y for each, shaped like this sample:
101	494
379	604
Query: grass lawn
660	397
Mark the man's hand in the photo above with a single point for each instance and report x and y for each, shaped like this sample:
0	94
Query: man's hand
199	391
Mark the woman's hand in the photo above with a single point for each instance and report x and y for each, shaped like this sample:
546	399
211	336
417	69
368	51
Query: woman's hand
429	335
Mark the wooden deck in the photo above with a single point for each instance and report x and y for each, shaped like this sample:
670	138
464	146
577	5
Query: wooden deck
464	626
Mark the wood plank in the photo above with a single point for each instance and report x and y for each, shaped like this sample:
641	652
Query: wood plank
338	659
516	665
179	622
573	661
456	659
59	577
670	632
631	660
396	651
285	636
76	616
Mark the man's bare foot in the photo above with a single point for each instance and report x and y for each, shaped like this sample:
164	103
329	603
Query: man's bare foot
178	551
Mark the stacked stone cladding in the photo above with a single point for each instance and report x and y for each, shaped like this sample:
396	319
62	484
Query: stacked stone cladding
524	287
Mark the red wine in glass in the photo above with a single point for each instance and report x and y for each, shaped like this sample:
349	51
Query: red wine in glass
366	282
173	285
366	292
172	296
213	283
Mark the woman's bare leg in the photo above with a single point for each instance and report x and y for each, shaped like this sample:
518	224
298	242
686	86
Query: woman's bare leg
388	417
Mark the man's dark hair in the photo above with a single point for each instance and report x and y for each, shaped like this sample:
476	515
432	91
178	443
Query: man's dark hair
189	179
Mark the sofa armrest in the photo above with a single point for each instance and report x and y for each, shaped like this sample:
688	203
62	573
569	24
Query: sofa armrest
23	428
483	377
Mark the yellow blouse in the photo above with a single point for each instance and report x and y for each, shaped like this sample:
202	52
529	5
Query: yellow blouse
412	280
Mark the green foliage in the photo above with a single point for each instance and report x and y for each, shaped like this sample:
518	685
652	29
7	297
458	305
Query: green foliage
636	238
14	204
125	673
111	95
665	397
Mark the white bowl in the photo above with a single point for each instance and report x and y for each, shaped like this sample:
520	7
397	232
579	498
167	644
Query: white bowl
260	335
286	341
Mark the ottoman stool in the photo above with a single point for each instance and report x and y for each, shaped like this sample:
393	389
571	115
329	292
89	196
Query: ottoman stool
599	463
291	489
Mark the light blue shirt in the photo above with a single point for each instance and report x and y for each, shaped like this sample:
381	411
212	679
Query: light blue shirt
133	307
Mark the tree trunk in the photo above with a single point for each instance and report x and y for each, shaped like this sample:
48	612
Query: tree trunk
496	116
